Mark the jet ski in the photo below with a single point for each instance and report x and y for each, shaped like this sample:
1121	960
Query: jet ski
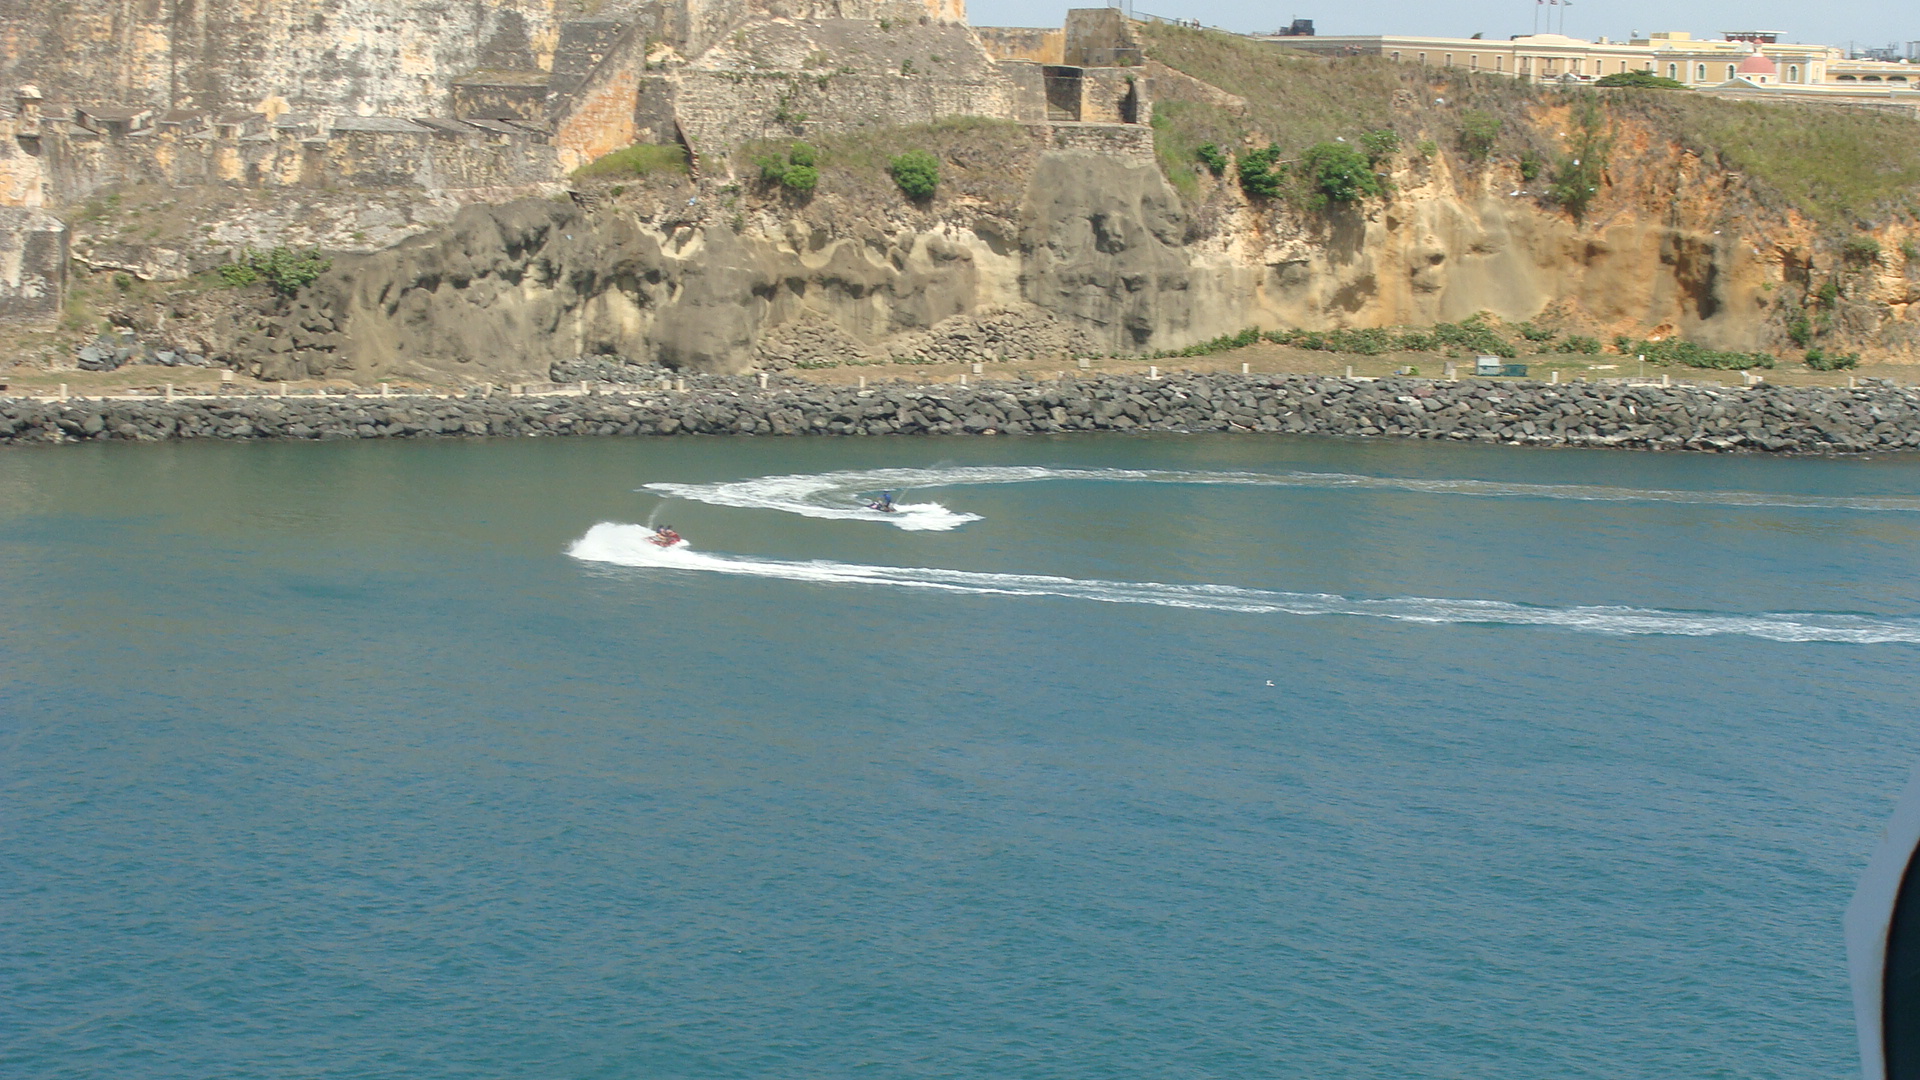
884	504
665	537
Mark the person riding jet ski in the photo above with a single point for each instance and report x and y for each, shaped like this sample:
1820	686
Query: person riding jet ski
884	503
664	536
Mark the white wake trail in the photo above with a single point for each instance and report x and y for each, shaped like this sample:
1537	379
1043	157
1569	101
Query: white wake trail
628	545
836	494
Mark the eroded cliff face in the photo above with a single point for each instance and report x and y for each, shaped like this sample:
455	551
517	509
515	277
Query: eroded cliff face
1101	257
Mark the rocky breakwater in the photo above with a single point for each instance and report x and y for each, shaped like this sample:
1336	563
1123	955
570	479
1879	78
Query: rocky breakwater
1874	417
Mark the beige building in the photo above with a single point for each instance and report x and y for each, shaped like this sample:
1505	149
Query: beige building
1676	55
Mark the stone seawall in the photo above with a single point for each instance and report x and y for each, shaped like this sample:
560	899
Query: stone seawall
1876	417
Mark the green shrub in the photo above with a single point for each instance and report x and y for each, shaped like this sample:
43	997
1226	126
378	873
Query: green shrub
1800	329
1644	80
1535	333
916	172
795	171
1427	147
1529	166
1370	341
1468	335
1910	251
1828	294
1338	173
1223	343
1579	345
1825	361
284	269
1578	173
1380	145
639	159
1679	353
1478	133
1261	174
1860	250
1213	158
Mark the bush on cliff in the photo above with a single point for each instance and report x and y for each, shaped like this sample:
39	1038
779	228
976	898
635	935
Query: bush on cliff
1380	145
917	172
1338	173
1860	250
1642	80
795	172
283	269
1261	174
1579	172
1479	131
1214	158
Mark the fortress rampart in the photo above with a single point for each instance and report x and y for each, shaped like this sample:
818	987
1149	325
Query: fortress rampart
475	103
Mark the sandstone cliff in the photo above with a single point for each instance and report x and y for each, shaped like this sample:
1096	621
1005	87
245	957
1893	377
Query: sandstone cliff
1046	252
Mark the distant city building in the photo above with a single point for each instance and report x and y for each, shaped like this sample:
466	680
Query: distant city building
1744	62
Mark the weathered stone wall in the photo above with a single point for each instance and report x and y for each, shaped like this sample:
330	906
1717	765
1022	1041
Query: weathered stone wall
33	266
1128	143
354	152
374	56
717	110
1037	44
601	115
1099	37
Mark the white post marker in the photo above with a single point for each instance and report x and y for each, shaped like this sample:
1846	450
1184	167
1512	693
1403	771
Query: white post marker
1152	372
63	391
583	388
1349	371
863	382
169	391
1246	369
763	380
385	390
1085	364
1666	379
963	378
979	369
1556	376
283	389
680	385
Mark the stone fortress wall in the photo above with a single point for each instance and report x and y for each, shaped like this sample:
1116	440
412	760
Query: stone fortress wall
483	103
457	98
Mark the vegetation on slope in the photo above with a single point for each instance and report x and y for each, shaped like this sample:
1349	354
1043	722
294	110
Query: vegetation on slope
1835	165
641	159
972	158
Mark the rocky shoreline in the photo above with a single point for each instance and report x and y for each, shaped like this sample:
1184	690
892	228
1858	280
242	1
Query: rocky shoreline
1872	418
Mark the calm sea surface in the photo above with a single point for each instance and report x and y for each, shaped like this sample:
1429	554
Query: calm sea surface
1166	757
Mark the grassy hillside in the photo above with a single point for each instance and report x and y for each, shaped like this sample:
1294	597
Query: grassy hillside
1835	165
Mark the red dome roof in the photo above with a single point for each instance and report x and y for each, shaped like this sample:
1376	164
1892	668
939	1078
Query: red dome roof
1758	64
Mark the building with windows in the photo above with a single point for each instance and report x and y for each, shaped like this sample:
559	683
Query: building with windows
1674	54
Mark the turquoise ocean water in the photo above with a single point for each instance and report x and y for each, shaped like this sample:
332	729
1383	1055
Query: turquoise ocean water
1164	757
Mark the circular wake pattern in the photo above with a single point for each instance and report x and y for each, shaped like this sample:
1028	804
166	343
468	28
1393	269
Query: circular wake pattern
628	545
840	495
